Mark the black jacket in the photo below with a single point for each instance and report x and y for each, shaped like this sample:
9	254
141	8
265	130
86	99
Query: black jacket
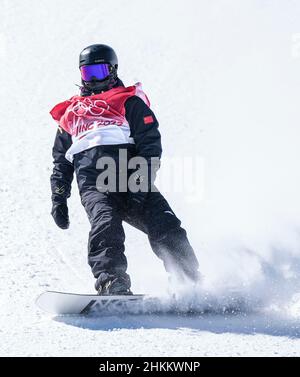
147	144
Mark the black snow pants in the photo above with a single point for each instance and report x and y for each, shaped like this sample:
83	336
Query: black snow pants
106	212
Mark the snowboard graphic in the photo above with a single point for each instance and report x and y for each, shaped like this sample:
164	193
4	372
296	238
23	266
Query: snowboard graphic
61	303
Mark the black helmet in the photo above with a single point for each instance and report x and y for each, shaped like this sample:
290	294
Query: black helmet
95	54
98	54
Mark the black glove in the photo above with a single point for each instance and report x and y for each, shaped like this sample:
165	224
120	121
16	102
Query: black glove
136	202
60	215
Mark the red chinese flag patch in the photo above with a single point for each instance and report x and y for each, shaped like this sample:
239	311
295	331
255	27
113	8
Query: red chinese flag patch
148	119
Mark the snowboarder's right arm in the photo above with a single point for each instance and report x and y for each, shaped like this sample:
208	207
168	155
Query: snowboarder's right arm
61	179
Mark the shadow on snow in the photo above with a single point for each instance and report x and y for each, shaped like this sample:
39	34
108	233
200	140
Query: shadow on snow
241	323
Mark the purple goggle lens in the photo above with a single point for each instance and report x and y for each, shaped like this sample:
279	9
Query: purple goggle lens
94	72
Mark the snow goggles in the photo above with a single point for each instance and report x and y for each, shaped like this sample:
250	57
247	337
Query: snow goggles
95	72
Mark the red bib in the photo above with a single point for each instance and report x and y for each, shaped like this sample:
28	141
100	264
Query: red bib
106	108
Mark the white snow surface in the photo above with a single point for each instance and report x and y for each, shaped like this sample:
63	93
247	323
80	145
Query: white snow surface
223	79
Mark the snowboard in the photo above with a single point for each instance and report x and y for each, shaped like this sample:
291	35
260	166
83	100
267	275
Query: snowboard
62	303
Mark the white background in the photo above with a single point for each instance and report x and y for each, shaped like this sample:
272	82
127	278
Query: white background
223	79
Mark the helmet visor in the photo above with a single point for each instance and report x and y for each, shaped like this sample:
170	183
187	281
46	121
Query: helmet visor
94	72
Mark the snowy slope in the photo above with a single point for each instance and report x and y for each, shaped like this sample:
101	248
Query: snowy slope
223	79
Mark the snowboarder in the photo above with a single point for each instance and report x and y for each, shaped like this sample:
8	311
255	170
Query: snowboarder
103	120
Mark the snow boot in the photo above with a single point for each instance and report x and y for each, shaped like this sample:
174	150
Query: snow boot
114	286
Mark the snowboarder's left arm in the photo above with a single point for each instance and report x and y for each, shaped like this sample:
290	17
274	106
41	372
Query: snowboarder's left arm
144	130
